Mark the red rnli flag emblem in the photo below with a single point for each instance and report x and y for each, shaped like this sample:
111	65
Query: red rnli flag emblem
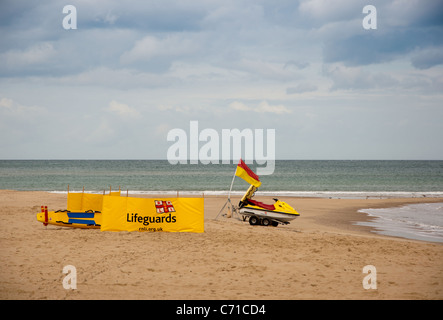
164	206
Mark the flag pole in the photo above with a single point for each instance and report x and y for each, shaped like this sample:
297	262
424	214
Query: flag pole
232	183
229	197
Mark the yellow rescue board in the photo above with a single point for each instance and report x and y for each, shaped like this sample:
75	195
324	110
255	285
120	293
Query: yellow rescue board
85	220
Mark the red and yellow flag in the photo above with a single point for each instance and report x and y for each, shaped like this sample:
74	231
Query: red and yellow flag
247	174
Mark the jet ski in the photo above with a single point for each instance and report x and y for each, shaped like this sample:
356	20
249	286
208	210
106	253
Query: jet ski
260	213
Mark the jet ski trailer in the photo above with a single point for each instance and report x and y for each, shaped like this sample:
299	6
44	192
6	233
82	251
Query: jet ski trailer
259	213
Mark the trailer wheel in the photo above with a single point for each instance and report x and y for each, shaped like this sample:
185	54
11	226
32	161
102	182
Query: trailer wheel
253	220
265	222
274	223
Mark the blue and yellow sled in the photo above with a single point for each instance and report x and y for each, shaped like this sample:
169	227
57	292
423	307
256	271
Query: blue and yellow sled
83	211
64	218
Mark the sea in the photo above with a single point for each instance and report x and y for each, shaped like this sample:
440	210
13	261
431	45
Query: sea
357	179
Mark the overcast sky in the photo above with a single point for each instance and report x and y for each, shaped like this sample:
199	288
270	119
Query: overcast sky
133	70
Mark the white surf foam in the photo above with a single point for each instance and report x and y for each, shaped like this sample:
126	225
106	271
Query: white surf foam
422	221
310	194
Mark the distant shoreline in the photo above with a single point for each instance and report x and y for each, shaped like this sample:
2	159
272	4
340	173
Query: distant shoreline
296	194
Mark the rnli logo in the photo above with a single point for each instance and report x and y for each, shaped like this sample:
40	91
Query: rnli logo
164	206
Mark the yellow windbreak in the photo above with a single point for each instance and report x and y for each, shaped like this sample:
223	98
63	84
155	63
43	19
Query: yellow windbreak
153	215
81	202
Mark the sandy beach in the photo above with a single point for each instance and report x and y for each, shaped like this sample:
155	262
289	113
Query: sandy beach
320	255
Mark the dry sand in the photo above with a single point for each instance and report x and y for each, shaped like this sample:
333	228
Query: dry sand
320	255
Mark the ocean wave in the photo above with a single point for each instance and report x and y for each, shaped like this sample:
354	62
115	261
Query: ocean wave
300	194
422	221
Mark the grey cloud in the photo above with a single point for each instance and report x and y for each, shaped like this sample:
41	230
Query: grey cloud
380	46
301	88
173	61
296	64
402	28
356	78
428	58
